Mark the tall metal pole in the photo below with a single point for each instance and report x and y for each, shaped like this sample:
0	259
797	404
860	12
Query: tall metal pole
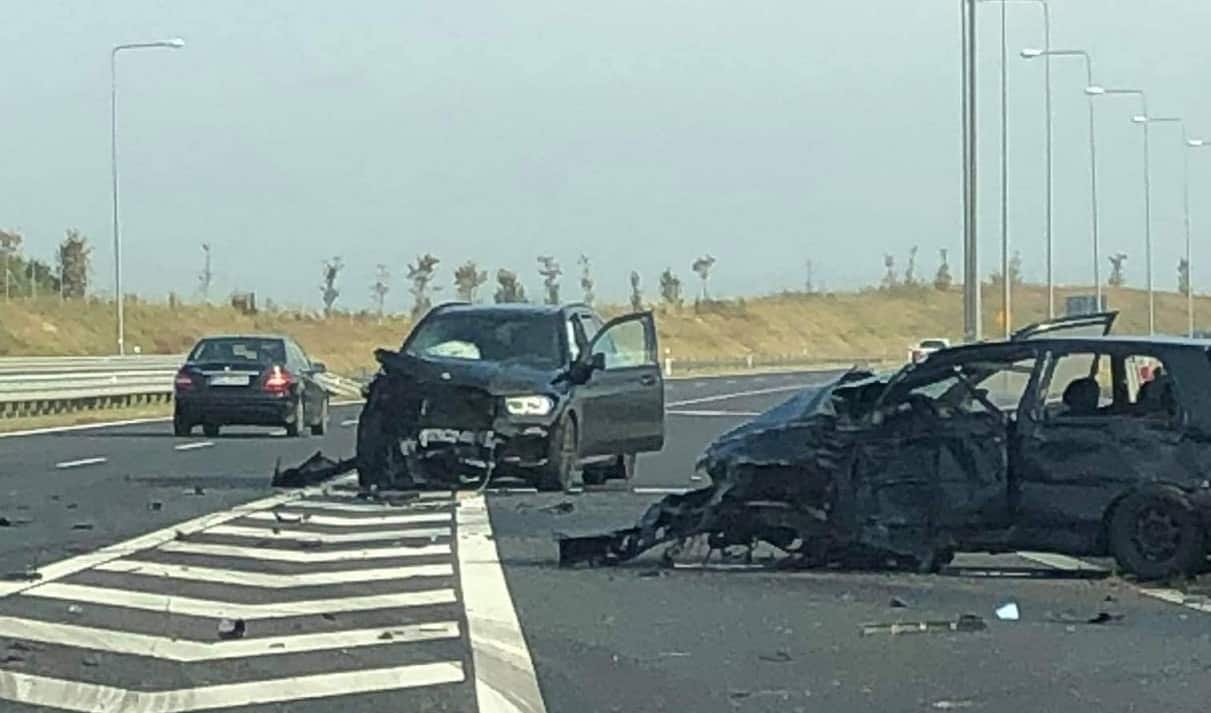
1097	259
1186	218
972	298
1050	238
113	169
113	139
1148	226
1006	291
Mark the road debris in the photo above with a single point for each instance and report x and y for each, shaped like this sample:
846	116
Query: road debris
155	506
1102	617
82	526
312	471
776	657
75	609
90	661
232	628
199	490
897	603
1009	612
951	705
28	575
72	506
287	518
966	622
4	522
328	616
385	636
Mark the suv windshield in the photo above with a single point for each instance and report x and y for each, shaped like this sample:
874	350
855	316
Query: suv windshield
531	339
239	349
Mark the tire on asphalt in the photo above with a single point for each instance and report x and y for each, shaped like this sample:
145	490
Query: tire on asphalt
320	427
562	471
1156	533
180	426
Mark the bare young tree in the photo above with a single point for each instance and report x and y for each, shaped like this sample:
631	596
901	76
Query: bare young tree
380	288
548	267
1117	278
421	274
1183	276
910	272
636	295
670	287
328	290
1015	268
809	283
509	288
889	278
206	277
10	244
702	266
467	280
942	279
586	280
75	257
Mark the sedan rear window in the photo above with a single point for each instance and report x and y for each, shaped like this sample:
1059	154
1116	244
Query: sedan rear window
240	349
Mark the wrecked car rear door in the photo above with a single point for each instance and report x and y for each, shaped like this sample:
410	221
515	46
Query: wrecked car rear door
622	403
936	460
1091	434
1081	325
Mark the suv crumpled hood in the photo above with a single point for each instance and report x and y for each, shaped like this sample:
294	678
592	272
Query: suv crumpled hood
496	378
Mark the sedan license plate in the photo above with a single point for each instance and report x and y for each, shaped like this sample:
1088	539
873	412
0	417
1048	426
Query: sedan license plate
230	380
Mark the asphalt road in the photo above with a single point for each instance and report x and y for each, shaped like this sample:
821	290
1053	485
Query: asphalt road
405	607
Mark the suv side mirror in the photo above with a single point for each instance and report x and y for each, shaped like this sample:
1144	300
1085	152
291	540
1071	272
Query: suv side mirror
318	367
597	362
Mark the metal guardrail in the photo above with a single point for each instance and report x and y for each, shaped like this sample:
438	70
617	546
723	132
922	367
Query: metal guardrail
35	386
675	366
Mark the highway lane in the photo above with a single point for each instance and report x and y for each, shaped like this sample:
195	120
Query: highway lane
627	639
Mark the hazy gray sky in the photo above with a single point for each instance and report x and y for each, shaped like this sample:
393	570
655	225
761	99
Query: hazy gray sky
641	133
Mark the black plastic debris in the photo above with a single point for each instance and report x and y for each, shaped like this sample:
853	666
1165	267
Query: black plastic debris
1103	617
776	657
4	522
232	629
199	490
28	575
72	506
897	603
155	506
312	471
82	526
90	661
560	508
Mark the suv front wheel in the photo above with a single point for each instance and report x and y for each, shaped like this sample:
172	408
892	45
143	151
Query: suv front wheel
1156	533
562	471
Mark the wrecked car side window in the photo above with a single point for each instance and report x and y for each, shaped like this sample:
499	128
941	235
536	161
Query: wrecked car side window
625	345
1079	384
1151	393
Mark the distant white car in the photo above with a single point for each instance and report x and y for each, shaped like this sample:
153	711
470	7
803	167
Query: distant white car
926	347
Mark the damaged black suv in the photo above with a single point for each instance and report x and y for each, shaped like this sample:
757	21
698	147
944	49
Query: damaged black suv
546	393
1060	439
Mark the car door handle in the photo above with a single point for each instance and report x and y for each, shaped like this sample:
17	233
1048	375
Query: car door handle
647	380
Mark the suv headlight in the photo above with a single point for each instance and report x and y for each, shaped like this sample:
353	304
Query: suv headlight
529	405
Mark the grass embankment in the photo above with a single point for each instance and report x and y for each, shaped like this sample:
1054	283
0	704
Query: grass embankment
872	324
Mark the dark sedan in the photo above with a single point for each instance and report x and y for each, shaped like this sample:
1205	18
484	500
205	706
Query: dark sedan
255	380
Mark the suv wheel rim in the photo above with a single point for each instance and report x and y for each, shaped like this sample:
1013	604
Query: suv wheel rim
1158	535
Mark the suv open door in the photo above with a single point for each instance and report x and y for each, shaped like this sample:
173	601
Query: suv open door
622	401
1082	325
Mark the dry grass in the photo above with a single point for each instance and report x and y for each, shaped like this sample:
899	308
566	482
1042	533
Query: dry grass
872	323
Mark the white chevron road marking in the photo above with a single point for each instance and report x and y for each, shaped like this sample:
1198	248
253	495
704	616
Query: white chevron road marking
290	518
272	554
190	606
372	536
266	580
163	647
82	697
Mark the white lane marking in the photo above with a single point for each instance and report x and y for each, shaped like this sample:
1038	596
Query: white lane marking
272	554
64	568
193	446
266	580
339	521
93	698
377	508
736	395
1072	564
304	535
661	491
80	463
186	651
190	606
505	681
513	491
82	427
349	422
729	382
735	414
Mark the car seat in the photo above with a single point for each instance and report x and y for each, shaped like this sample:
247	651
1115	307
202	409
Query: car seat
1081	396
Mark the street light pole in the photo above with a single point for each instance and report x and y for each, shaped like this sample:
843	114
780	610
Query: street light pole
972	297
1190	144
1094	91
175	43
1093	217
1145	120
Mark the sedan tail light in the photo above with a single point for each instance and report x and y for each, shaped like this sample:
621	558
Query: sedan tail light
279	380
184	381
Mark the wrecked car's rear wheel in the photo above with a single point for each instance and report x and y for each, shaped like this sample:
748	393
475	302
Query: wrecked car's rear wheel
562	471
211	430
180	425
295	428
1157	534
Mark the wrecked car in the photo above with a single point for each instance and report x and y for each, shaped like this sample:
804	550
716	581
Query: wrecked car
1060	439
549	394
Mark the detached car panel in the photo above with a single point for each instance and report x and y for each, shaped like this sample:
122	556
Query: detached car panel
1055	441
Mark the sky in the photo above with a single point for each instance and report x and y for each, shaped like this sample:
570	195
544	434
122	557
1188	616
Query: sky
642	134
